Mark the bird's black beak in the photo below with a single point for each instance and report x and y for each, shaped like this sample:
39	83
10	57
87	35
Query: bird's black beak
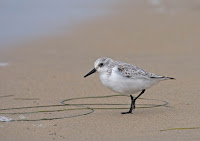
91	72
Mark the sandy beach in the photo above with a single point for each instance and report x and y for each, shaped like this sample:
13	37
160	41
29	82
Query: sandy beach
41	78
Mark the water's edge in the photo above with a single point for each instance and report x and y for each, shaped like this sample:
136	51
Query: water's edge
23	21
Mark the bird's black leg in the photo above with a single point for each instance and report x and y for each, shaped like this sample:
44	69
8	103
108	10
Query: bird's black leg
137	98
133	102
131	108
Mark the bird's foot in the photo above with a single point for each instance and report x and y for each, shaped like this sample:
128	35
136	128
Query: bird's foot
129	112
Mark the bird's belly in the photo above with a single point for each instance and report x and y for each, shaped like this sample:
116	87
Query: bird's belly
125	85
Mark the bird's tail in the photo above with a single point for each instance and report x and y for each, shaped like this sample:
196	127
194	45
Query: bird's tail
169	78
163	78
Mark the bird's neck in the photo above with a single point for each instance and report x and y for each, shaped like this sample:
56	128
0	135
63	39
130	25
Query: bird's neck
104	77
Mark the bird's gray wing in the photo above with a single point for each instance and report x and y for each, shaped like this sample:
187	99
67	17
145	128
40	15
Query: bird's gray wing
132	71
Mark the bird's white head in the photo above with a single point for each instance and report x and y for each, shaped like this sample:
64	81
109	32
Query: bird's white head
100	66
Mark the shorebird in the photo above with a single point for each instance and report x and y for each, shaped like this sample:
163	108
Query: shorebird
125	78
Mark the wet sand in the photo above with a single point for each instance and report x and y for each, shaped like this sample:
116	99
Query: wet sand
162	38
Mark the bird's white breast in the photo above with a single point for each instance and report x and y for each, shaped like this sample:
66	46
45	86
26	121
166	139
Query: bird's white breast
124	85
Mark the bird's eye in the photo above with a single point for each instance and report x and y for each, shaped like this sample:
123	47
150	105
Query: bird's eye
101	64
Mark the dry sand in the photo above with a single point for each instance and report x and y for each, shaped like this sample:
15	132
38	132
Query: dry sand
161	38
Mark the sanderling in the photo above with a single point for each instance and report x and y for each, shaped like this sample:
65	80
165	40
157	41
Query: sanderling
125	78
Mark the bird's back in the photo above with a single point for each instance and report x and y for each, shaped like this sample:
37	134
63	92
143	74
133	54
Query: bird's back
132	71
